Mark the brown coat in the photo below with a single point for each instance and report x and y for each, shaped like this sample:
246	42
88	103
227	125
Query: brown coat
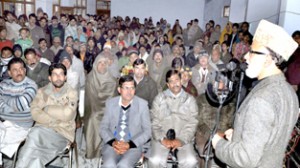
56	110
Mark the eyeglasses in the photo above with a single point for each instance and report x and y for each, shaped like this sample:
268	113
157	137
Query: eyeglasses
128	88
257	52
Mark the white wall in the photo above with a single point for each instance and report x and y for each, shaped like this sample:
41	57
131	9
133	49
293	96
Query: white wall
238	11
184	10
67	3
290	15
214	11
262	9
46	5
91	7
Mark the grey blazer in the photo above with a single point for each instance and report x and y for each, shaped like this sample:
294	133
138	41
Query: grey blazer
139	120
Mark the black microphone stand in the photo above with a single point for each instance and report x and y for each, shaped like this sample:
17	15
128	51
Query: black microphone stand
222	95
239	95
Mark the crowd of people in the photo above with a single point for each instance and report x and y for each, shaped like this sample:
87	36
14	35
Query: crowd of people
141	81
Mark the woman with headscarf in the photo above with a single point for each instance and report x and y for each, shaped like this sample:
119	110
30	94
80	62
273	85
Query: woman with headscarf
100	86
91	53
226	30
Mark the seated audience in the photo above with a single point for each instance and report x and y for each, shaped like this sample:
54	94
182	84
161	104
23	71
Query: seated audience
36	70
17	51
177	110
56	45
145	85
202	73
25	40
16	94
4	42
54	111
186	81
45	51
6	56
100	86
123	140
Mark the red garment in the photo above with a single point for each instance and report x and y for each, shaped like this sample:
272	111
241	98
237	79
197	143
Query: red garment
293	70
88	32
6	43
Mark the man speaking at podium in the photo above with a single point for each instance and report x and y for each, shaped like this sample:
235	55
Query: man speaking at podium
264	122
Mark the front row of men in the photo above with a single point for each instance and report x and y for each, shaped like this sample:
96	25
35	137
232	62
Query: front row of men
125	128
262	126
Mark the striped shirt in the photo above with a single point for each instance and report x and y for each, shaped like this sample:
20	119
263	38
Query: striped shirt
15	99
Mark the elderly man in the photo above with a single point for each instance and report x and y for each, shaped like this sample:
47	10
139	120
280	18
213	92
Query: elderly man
192	57
36	70
215	58
56	45
173	109
16	95
54	112
265	120
125	127
202	73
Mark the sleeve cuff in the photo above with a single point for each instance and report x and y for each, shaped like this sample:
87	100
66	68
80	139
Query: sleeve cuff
131	144
110	142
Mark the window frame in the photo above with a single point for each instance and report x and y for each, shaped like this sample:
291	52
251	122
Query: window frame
23	2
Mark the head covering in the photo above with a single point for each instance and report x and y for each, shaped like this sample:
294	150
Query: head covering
132	50
276	38
98	88
107	45
65	55
186	69
203	54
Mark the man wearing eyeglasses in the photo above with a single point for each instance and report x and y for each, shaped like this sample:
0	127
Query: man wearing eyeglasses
264	121
125	127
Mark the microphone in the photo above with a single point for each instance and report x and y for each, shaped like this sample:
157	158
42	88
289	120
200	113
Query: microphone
232	65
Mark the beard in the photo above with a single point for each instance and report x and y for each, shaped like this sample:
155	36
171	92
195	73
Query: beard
58	84
253	70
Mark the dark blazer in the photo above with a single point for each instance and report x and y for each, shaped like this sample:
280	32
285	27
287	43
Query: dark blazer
191	60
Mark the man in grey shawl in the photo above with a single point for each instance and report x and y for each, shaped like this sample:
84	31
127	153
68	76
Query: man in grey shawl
265	120
100	86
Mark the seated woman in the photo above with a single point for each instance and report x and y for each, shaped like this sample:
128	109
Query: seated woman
100	86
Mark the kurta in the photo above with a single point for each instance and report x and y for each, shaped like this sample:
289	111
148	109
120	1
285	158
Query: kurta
262	127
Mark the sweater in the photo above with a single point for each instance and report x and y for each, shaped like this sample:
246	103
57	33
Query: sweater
15	99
